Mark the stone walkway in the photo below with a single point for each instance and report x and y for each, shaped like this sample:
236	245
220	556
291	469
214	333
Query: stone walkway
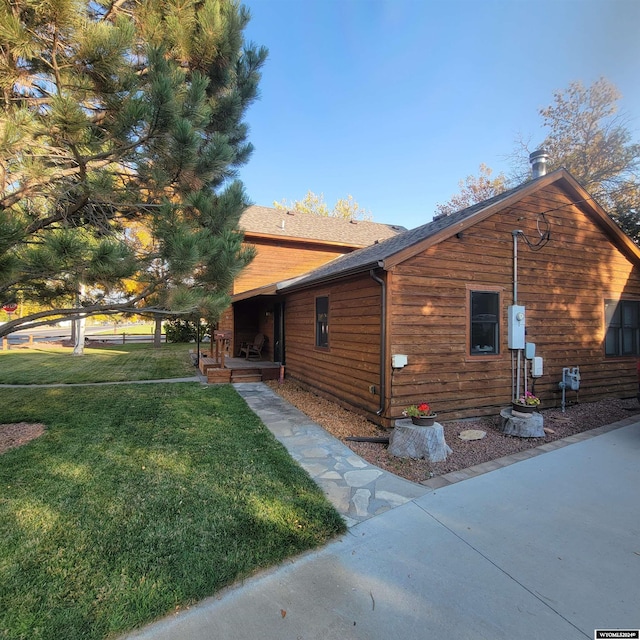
357	489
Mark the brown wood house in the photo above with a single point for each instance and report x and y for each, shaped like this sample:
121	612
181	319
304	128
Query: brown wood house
288	244
424	314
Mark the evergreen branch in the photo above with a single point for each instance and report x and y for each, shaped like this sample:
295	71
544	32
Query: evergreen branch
41	318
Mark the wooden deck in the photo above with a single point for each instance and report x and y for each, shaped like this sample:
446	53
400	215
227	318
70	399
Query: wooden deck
238	370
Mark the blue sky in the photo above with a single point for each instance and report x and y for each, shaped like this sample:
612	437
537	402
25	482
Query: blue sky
396	101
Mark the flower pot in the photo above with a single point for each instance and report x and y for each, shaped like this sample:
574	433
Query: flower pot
523	410
424	421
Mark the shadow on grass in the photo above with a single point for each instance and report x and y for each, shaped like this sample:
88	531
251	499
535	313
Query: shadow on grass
119	363
138	500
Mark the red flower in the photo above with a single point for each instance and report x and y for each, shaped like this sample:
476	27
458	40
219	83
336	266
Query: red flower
424	407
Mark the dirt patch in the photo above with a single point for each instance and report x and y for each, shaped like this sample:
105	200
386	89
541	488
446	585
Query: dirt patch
17	434
342	423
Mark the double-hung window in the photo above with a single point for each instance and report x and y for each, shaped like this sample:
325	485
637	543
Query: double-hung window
322	321
485	323
622	323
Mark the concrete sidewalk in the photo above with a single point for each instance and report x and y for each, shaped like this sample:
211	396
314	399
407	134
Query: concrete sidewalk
545	548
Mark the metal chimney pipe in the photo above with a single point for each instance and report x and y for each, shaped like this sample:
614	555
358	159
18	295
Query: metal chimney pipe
539	160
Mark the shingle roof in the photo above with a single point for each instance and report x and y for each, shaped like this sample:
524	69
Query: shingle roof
384	251
285	224
369	257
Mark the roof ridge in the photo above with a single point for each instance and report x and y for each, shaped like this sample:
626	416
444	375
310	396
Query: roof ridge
368	257
257	219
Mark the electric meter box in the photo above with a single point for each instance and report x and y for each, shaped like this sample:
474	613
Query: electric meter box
515	328
536	367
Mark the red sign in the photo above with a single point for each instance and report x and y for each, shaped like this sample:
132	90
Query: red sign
10	307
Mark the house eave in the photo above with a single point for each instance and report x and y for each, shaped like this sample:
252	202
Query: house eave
266	290
579	196
471	220
341	275
594	210
272	289
248	235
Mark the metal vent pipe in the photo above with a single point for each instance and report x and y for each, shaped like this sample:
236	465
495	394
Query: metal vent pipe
539	160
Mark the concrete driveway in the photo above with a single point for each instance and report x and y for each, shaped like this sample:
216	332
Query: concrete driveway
545	548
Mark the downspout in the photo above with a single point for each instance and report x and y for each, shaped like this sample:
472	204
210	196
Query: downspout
383	339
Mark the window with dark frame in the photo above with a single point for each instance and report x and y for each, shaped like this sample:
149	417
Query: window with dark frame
322	321
622	322
485	323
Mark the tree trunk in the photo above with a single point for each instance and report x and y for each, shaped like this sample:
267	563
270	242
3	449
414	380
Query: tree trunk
78	346
79	327
157	332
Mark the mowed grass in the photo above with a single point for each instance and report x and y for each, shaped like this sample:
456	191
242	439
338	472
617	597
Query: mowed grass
131	330
50	365
138	500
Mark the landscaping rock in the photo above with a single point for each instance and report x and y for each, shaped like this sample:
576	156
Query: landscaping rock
472	434
410	441
529	427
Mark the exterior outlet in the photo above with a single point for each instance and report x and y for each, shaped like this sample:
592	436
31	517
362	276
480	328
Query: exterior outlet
399	360
372	389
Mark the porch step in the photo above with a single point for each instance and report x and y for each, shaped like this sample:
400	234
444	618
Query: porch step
272	373
206	364
246	375
217	375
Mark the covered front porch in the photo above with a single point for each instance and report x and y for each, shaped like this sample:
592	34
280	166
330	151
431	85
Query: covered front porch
254	315
218	362
234	370
255	319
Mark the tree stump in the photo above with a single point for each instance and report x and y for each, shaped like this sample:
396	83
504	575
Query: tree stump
530	427
410	441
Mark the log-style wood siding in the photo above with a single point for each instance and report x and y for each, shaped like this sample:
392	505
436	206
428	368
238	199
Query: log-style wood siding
351	364
563	287
282	259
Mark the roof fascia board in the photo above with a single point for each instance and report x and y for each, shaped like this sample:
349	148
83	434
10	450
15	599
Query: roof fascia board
266	290
590	207
299	240
271	289
479	216
581	198
363	268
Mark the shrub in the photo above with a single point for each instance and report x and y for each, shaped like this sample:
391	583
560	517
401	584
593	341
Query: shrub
179	330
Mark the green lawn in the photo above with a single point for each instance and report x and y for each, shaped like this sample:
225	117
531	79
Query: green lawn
49	365
140	499
131	330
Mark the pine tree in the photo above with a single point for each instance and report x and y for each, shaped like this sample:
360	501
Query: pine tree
121	133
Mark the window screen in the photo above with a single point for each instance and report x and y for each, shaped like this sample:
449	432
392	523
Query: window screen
485	322
322	321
